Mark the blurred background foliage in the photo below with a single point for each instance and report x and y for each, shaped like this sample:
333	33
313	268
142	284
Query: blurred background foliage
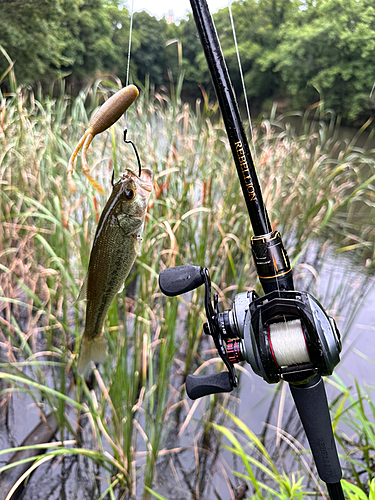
291	50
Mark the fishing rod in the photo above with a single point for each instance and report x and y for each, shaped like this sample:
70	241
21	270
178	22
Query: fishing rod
283	335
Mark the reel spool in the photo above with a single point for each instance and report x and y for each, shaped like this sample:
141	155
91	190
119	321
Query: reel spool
288	343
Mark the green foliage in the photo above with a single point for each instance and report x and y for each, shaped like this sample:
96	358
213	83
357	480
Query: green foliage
257	463
149	57
194	62
289	49
32	35
120	22
329	45
195	216
49	38
258	34
353	492
94	32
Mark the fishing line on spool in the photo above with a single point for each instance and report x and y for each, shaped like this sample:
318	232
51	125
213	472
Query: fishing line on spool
288	344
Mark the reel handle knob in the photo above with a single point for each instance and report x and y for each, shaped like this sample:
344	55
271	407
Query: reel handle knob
198	386
180	279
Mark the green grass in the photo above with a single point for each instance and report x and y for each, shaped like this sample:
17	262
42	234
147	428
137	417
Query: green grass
317	190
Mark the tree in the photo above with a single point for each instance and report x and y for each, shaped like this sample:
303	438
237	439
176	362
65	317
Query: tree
193	61
30	33
257	26
328	46
47	38
288	48
148	58
89	26
120	22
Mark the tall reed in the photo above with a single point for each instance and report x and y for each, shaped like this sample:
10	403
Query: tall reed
126	421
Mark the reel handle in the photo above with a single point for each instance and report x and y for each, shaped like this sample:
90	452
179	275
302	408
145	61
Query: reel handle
180	279
198	386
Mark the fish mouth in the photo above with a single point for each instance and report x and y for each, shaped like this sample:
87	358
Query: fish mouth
144	182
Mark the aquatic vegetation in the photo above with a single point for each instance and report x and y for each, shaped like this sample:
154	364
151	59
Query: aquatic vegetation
132	426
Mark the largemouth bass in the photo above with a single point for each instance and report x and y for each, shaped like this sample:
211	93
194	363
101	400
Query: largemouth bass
117	242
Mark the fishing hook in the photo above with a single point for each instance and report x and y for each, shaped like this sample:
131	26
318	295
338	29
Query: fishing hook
135	150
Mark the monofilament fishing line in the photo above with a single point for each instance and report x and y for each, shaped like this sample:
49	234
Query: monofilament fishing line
288	343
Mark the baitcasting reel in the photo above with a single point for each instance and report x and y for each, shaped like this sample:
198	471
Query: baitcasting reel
282	335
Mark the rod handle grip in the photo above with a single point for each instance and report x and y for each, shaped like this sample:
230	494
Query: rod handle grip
312	406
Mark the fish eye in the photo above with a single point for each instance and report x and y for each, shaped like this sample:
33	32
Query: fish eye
129	194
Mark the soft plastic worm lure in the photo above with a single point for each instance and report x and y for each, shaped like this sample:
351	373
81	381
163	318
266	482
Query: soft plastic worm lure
105	116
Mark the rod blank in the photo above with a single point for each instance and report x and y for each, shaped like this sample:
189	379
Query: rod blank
231	116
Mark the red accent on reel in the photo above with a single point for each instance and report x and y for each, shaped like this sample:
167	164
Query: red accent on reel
234	351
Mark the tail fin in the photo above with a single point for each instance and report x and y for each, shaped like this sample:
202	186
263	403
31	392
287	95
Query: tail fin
91	350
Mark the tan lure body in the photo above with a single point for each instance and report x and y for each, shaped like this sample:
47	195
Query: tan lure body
117	242
104	117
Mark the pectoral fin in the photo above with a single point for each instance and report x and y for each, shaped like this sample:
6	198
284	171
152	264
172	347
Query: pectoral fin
83	292
138	245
